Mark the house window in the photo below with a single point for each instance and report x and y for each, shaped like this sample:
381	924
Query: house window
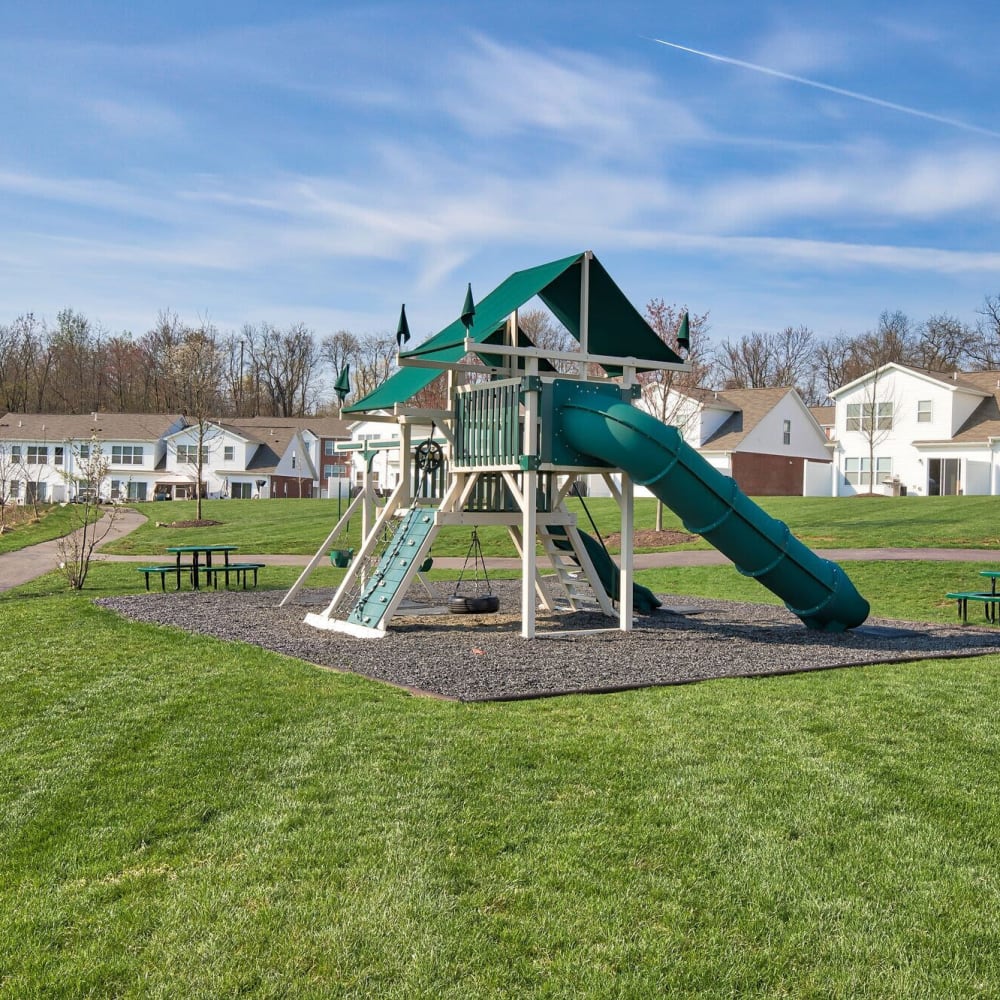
35	492
857	470
126	454
924	411
188	454
786	432
137	491
229	453
37	454
57	455
84	451
860	416
241	491
15	489
329	447
15	453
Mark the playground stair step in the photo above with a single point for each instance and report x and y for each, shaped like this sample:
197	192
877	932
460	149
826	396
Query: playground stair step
571	578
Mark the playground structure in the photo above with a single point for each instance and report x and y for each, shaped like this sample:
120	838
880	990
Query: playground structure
511	443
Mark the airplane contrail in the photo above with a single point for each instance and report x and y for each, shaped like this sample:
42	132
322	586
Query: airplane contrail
853	94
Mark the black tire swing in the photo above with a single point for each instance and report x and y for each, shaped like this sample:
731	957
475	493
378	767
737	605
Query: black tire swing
482	602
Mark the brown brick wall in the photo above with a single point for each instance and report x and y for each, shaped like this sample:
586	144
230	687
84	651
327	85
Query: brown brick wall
287	486
768	475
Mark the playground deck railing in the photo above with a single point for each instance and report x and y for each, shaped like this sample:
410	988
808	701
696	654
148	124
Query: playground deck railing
487	424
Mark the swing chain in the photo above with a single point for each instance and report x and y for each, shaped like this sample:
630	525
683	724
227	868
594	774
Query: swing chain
478	559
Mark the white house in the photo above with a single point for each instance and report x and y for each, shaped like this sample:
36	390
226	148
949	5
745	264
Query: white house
379	440
43	452
905	430
156	457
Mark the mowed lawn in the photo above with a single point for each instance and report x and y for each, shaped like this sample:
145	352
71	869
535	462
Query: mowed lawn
182	817
301	526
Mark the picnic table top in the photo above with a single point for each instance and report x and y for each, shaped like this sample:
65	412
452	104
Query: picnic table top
995	573
202	548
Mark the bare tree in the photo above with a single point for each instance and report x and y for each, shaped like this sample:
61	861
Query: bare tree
943	344
8	468
985	349
664	391
874	418
25	365
375	363
158	347
284	362
835	364
770	361
90	524
195	367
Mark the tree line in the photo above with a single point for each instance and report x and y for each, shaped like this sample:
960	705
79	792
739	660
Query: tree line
75	366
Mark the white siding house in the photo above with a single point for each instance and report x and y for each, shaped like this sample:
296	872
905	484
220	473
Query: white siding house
45	450
925	433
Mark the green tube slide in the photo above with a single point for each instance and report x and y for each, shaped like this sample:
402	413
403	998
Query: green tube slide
712	505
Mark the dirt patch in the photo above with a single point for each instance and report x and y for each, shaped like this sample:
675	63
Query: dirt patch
192	524
652	539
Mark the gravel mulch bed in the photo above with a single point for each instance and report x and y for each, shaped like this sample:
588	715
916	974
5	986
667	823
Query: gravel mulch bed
483	658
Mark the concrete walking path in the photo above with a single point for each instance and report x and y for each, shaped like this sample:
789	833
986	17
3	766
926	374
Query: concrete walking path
27	564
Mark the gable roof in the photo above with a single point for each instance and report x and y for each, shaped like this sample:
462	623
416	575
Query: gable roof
751	406
323	427
984	421
615	329
825	416
57	427
956	381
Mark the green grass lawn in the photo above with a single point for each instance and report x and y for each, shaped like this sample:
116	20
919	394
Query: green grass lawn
183	817
300	526
53	522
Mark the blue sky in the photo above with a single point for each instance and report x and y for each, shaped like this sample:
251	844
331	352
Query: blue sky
324	162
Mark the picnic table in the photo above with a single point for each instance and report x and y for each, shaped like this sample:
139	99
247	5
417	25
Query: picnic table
196	552
201	563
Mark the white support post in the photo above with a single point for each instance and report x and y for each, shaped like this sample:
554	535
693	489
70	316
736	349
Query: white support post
511	342
529	523
405	472
368	504
626	572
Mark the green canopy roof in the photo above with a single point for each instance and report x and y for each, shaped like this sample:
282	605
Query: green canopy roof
616	328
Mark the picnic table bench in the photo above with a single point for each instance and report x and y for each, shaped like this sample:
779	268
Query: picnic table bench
238	569
148	571
989	602
989	599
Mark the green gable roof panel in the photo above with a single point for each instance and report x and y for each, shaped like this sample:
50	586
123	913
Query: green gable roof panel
616	328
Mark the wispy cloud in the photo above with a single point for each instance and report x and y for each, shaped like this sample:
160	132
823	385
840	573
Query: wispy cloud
839	91
861	189
134	118
581	99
